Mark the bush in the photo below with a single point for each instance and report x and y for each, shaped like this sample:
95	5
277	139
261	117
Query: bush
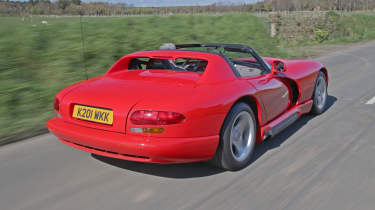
321	35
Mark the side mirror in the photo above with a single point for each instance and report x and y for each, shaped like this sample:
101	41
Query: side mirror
278	66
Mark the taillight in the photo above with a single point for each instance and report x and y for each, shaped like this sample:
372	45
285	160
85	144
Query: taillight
147	117
56	104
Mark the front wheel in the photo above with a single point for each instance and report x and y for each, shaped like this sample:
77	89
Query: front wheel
320	94
237	138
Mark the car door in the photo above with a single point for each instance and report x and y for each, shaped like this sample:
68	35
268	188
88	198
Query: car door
274	94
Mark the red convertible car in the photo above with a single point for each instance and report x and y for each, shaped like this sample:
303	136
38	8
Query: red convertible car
187	103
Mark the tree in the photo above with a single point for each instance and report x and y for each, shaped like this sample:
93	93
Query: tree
76	2
62	4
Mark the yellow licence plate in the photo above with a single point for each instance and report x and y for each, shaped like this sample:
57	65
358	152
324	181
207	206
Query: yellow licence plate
93	114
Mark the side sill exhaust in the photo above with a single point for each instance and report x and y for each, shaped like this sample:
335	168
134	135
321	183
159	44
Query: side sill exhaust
281	126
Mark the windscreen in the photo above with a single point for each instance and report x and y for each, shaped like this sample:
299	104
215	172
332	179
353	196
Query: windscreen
179	64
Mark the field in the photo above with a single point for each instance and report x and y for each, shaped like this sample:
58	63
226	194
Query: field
39	59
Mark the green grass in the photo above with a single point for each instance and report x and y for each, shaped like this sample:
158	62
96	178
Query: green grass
354	28
37	60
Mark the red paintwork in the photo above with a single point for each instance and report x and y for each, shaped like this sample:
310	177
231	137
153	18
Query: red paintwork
141	148
204	99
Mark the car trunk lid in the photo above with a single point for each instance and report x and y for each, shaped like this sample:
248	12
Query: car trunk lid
120	92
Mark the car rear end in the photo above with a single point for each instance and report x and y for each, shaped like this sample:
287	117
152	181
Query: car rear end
135	115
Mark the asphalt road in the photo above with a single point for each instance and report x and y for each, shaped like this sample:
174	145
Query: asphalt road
323	162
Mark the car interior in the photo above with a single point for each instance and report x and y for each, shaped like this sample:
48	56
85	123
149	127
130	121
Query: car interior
180	64
245	64
248	68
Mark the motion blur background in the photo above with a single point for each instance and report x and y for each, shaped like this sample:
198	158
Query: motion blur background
46	46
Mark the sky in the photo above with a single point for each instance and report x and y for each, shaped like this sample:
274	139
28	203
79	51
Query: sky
162	3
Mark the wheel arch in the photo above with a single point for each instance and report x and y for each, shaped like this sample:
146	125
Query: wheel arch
255	106
325	71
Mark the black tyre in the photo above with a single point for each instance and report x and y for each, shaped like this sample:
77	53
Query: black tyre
237	138
320	94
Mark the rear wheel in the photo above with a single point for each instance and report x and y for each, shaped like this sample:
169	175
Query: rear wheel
320	94
237	138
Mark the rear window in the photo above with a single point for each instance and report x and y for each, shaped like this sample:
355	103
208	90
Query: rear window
180	64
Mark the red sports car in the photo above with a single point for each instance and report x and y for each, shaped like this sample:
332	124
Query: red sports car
187	103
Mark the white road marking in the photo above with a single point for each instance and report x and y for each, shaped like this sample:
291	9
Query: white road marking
371	101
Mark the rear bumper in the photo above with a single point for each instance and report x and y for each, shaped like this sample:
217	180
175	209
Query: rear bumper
134	148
